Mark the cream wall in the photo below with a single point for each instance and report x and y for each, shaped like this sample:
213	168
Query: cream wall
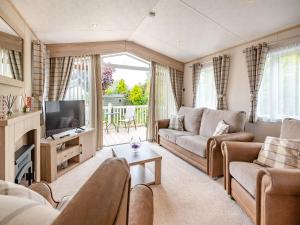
238	87
13	18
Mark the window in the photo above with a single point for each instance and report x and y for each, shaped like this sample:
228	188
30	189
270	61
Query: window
279	94
206	92
79	87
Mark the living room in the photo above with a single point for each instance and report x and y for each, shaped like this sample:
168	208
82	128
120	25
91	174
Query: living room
149	112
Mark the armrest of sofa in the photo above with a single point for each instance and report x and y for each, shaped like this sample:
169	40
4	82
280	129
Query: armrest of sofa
240	151
239	136
45	190
214	153
141	205
103	199
278	196
237	151
160	124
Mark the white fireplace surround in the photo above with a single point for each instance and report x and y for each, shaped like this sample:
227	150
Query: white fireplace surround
15	131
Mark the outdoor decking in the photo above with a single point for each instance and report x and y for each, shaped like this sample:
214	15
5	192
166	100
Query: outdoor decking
114	138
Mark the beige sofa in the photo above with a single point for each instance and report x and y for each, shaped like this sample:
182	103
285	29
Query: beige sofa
196	144
268	195
105	199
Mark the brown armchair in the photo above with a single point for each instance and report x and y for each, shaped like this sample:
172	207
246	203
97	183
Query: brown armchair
102	200
269	196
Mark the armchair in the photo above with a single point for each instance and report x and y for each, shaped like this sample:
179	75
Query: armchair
268	195
109	201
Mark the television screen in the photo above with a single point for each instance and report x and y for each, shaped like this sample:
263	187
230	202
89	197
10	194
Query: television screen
64	115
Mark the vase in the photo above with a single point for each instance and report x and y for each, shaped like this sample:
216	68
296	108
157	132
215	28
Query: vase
135	143
9	112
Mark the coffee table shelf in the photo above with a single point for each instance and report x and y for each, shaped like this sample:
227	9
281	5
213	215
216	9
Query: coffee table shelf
141	175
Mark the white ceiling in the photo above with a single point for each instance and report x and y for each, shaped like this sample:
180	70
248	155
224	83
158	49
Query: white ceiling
182	29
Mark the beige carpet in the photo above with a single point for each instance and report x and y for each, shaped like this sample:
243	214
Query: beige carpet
185	197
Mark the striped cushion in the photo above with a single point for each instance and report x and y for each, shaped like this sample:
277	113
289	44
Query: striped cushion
176	122
280	153
15	210
222	128
12	189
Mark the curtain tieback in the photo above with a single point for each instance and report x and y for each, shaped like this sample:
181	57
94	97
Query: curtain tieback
253	96
221	96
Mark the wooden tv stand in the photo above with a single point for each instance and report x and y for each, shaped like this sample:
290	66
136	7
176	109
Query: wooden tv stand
73	148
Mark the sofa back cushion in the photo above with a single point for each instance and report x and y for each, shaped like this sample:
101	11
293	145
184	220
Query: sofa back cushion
192	118
290	129
210	119
107	189
280	153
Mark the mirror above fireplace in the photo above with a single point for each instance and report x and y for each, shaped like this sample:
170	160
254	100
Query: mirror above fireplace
11	56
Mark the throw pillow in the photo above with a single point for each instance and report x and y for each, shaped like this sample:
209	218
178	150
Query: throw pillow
12	189
176	122
15	210
222	128
280	153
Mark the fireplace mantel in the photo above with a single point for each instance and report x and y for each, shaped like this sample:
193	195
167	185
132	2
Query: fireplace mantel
21	128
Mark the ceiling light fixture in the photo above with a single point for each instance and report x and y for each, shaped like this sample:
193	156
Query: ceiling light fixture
152	13
94	25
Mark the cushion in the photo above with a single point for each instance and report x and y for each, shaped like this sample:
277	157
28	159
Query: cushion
12	189
176	122
64	202
171	135
245	174
210	119
23	211
280	153
222	128
290	129
192	118
195	144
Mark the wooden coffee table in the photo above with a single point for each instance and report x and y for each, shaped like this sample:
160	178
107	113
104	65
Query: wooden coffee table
139	173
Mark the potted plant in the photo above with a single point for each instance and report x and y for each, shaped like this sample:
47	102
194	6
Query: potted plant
107	79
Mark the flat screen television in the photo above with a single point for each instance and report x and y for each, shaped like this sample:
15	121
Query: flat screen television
61	116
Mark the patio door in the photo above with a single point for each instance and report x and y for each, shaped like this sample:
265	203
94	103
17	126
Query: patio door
126	85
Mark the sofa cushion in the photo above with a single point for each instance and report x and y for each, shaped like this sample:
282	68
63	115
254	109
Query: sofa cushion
171	135
12	189
245	174
195	144
280	153
210	119
192	118
16	210
290	129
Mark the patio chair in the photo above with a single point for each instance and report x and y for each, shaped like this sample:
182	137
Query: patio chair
128	118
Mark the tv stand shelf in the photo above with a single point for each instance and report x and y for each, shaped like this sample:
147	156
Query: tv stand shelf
72	149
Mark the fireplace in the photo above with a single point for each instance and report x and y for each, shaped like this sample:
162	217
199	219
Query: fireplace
23	164
15	132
